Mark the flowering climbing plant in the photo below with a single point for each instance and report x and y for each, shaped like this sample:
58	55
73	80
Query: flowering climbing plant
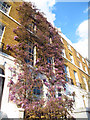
38	55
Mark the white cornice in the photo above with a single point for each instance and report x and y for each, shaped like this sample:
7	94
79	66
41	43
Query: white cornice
10	17
77	66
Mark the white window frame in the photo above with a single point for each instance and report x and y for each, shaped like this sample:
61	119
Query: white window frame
2	76
63	51
32	52
83	60
69	46
77	55
86	69
67	72
80	64
71	57
2	32
76	78
62	40
87	62
85	83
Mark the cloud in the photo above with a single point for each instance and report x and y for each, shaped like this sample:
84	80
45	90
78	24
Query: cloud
82	45
86	10
45	6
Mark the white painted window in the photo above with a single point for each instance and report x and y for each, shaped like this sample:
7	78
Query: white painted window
67	72
32	54
77	54
32	27
86	69
50	40
62	40
69	47
80	64
63	53
76	78
1	31
71	57
87	62
83	60
4	6
85	83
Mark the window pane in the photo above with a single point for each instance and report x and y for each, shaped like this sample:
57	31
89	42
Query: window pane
1	71
1	30
4	6
36	91
1	88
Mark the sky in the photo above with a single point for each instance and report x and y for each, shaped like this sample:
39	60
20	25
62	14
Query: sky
71	18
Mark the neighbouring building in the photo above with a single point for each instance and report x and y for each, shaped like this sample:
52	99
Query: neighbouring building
77	68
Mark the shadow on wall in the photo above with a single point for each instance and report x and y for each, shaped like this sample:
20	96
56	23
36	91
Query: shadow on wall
3	115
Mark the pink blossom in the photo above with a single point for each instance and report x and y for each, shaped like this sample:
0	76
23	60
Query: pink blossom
59	88
44	80
47	84
59	98
22	105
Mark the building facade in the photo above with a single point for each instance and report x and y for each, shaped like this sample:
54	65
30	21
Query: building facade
77	68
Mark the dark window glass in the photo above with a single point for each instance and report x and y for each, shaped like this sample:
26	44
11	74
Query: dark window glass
1	88
36	91
4	6
1	30
65	67
59	94
1	71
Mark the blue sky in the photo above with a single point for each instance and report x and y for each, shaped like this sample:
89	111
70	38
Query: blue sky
68	17
71	17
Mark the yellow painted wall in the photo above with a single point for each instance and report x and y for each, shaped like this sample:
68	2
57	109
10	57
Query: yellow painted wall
8	38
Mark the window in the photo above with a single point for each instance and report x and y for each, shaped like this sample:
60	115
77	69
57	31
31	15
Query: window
85	83
36	91
87	62
4	6
32	54
62	40
2	78
76	78
71	81
59	94
71	57
83	60
77	54
67	72
32	27
63	53
69	47
86	69
1	31
80	65
50	40
50	60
